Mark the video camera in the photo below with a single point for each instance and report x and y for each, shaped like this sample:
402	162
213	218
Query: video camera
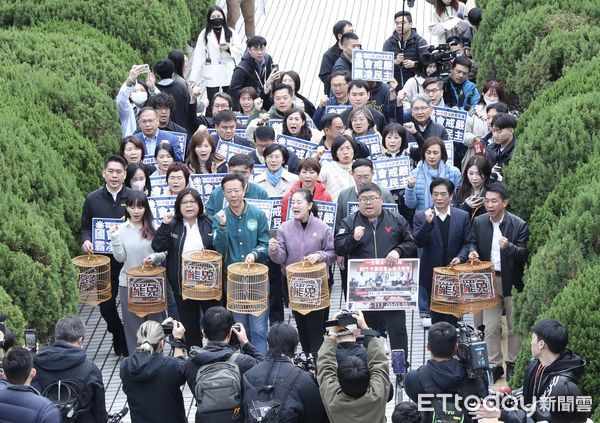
442	56
472	351
344	319
305	363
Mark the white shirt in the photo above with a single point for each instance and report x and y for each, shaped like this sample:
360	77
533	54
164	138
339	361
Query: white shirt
193	240
442	216
114	194
495	253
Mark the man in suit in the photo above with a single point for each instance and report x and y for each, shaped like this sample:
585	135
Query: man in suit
443	234
225	125
152	136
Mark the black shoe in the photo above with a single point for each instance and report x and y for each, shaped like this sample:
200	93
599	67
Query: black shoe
510	370
497	373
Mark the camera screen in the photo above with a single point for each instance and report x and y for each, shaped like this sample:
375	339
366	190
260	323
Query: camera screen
398	362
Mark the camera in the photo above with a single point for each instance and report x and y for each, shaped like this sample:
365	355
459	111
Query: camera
305	363
398	362
31	340
168	328
472	351
442	56
345	318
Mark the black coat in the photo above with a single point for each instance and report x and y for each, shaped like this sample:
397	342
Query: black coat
331	55
100	203
415	48
171	238
180	113
512	258
248	74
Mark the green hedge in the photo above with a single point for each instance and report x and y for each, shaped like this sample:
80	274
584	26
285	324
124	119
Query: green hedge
35	267
562	136
152	27
67	51
15	320
573	242
198	11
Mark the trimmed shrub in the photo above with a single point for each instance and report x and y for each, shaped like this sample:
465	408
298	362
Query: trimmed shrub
14	317
561	137
198	11
35	268
152	27
70	49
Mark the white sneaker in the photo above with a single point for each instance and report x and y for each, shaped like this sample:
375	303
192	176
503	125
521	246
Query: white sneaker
426	322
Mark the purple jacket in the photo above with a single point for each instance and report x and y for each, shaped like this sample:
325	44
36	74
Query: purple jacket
295	243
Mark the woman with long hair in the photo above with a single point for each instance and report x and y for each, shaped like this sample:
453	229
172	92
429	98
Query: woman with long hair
449	19
471	192
295	125
131	244
337	174
304	238
203	157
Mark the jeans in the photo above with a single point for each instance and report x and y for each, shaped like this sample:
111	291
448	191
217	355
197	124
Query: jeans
256	328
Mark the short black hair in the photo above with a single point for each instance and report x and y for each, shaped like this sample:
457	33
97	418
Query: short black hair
161	101
407	412
499	188
474	16
224	96
442	339
217	322
433	80
17	365
164	146
353	376
224	116
256	41
232	177
359	83
463	61
115	158
369	186
241	160
269	149
395	128
504	120
327	120
442	181
277	87
499	106
553	333
348	36
338	28
164	68
338	142
195	195
264	132
282	340
362	162
404	13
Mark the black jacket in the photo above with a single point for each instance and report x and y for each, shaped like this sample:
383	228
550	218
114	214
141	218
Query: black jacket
180	112
248	74
342	64
380	120
64	361
303	403
152	383
331	55
494	156
392	233
100	203
415	48
214	352
171	237
309	108
443	377
512	258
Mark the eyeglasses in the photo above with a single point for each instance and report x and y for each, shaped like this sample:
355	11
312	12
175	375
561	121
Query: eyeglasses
432	91
189	202
420	109
339	85
369	199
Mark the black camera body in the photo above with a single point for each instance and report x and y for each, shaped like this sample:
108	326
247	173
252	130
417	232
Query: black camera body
345	318
442	56
472	351
168	328
305	363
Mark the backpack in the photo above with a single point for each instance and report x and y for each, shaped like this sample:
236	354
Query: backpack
444	410
268	411
66	394
218	388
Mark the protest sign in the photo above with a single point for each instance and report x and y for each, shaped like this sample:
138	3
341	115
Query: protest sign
373	65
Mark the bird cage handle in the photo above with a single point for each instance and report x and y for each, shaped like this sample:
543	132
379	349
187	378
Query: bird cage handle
90	256
144	266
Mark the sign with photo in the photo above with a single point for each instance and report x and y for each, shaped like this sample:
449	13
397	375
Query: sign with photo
392	173
302	148
373	65
101	234
375	286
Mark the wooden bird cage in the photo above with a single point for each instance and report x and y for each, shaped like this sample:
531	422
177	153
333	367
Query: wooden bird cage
146	290
308	286
94	278
202	277
247	288
464	288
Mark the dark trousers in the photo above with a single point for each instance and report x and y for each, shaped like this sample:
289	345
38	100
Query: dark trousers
435	316
275	293
108	309
189	312
310	330
395	322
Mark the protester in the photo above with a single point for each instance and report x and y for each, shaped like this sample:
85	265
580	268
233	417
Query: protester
336	174
292	79
276	180
203	157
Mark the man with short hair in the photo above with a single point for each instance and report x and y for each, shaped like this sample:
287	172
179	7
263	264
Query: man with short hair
66	360
243	165
108	202
442	382
501	237
499	153
372	233
241	234
339	88
434	88
152	136
332	54
458	90
19	402
332	126
409	48
165	70
264	136
359	96
220	101
423	126
219	329
225	125
353	390
254	70
349	42
163	104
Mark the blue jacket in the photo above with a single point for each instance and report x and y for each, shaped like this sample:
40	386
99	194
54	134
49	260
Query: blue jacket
453	97
160	137
429	239
416	197
215	201
242	235
23	404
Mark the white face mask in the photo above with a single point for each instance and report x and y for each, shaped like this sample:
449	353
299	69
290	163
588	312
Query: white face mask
489	100
139	98
138	185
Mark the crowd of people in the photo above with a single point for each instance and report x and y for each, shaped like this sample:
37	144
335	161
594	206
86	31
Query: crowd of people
244	366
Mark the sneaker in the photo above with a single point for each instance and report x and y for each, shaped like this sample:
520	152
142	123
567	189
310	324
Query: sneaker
426	322
497	373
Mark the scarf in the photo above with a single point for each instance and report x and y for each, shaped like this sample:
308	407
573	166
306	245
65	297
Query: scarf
275	177
429	173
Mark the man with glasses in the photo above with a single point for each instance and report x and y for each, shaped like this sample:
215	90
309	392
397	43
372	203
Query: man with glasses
349	43
243	165
254	70
374	232
434	88
499	153
340	97
422	126
152	136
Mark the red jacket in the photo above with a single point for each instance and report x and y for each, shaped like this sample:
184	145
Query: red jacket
319	194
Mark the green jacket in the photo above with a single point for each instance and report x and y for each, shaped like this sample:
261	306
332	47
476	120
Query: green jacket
340	407
216	199
242	235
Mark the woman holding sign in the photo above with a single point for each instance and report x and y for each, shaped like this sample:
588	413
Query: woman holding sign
131	244
188	230
304	238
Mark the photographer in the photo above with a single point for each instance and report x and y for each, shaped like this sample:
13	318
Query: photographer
443	374
353	390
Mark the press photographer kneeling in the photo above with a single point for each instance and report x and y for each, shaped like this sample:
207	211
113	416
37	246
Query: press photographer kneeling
441	386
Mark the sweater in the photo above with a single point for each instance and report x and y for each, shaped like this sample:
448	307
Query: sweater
336	177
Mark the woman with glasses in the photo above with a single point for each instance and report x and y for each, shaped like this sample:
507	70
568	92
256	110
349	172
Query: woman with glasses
337	174
189	229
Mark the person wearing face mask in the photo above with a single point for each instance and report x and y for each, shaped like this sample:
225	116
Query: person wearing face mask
132	97
218	51
138	178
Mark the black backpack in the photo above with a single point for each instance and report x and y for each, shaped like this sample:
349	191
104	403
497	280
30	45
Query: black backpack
66	394
268	411
441	414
